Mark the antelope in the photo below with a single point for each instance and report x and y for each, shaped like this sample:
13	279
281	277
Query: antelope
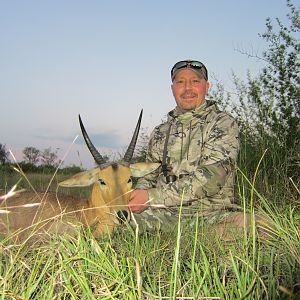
107	206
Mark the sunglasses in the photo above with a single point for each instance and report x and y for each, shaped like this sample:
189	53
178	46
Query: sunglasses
189	64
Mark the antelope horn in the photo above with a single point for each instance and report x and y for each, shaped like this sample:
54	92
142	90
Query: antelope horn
129	152
97	156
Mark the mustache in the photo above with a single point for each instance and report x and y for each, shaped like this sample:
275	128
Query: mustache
188	94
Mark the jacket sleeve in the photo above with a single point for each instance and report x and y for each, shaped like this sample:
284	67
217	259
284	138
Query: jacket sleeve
215	165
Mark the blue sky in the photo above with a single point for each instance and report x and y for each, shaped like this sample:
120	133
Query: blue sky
108	59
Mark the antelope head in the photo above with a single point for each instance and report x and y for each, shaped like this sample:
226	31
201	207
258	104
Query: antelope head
112	184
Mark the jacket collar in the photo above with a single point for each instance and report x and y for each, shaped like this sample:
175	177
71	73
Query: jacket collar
203	109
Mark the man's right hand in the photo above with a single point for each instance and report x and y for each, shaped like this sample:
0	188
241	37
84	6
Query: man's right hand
138	201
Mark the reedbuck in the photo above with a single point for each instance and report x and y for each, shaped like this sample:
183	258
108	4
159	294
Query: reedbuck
111	185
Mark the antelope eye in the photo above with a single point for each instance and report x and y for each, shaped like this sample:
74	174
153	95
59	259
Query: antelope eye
101	181
129	180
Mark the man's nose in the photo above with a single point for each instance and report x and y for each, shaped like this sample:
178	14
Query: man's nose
188	84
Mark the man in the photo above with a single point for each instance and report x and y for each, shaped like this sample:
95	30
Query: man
197	147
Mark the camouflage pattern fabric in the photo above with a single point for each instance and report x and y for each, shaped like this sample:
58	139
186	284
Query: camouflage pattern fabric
202	150
163	219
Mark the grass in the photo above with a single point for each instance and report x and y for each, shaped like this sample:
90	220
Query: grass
190	263
154	266
39	182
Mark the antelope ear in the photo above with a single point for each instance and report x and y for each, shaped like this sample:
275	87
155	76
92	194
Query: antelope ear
85	178
141	169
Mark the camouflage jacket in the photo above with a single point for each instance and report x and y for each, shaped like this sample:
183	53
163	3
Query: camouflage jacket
202	149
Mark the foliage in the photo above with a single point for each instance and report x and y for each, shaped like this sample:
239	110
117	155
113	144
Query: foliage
28	167
3	154
268	106
49	157
141	147
31	155
70	170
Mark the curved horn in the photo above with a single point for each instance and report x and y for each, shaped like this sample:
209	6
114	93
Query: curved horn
129	152
97	156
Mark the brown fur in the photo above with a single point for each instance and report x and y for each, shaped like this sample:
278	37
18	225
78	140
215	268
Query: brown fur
53	214
61	214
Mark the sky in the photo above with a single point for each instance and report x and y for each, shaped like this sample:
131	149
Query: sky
107	60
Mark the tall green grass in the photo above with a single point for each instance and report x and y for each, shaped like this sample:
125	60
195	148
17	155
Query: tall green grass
187	263
40	182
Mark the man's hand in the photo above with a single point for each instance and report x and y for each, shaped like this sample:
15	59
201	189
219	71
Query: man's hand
138	201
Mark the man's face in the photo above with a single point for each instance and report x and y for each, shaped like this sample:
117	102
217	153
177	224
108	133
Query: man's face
189	90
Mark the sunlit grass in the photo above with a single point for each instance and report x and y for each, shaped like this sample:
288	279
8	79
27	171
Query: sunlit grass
122	267
188	262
